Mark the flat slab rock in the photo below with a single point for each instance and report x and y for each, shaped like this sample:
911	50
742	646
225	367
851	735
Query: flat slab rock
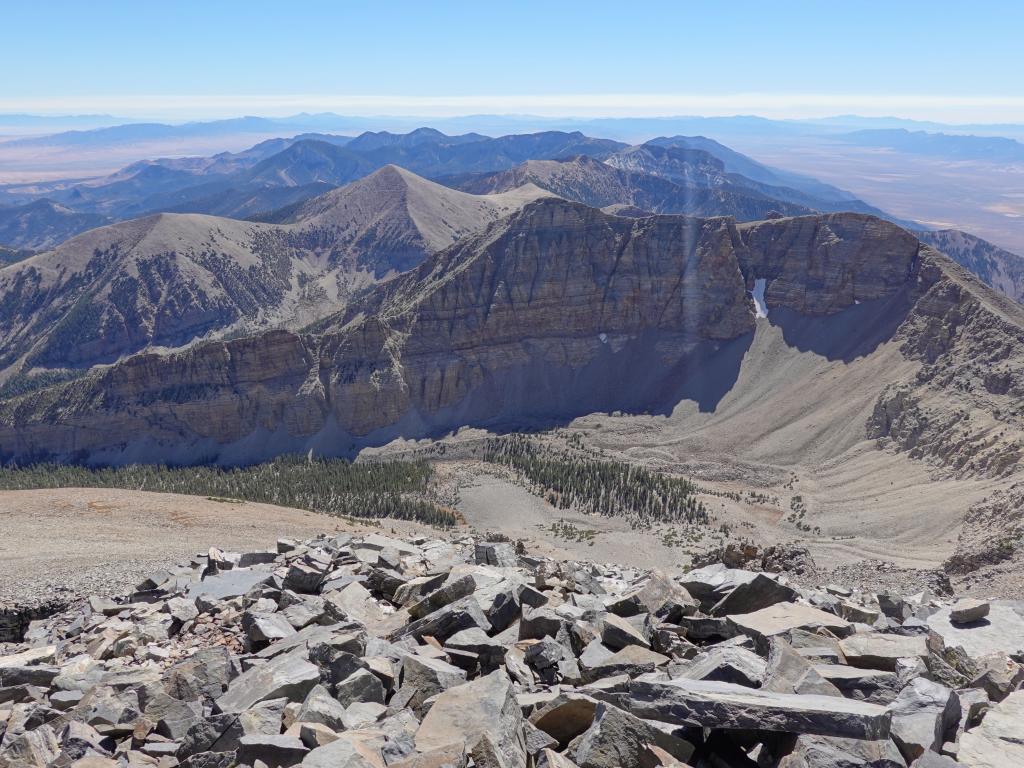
230	583
999	741
874	650
783	617
700	703
1001	631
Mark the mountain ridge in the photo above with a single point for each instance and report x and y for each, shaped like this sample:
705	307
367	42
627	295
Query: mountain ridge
169	278
464	337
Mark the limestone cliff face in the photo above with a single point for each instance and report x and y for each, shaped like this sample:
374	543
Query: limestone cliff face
550	290
555	311
818	265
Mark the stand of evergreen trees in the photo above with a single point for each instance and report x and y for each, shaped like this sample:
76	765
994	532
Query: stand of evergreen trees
332	486
609	488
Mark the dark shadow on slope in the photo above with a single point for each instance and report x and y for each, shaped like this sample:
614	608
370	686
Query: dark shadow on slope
636	379
651	375
854	332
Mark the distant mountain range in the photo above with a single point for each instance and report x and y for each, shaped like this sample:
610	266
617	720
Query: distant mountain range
630	129
166	279
281	172
995	149
272	181
44	224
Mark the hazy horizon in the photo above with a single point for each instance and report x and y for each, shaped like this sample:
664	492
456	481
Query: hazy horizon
950	63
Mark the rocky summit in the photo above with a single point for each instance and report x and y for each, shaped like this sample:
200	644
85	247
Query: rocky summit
368	652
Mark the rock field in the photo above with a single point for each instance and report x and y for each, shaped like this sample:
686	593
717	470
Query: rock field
371	652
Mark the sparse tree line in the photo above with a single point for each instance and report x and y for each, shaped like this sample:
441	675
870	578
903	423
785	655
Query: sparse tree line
394	489
600	487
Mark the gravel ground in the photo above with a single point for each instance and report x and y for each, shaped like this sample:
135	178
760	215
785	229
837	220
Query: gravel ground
64	543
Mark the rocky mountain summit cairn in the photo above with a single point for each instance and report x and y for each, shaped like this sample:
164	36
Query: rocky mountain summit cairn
371	652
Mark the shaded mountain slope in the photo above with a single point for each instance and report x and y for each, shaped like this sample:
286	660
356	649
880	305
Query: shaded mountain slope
43	224
996	266
692	163
167	279
161	280
738	163
705	192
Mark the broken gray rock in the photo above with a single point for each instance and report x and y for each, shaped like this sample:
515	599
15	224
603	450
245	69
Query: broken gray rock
552	662
658	596
483	707
787	671
617	738
968	611
320	707
699	703
361	686
272	751
565	717
596	637
444	595
999	740
923	715
617	633
303	577
537	623
829	752
783	618
1001	631
875	685
263	628
711	583
497	553
288	676
760	592
425	677
445	622
728	665
875	650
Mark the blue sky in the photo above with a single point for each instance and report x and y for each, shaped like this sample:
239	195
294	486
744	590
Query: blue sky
787	58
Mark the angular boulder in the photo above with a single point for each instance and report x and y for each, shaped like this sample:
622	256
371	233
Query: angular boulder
484	707
875	650
699	703
289	676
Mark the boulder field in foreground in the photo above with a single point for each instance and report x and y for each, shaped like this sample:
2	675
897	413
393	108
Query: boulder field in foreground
371	652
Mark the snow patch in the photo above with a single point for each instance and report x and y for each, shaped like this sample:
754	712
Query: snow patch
760	308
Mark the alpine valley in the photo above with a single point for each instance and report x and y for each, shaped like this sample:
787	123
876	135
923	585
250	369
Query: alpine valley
833	375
